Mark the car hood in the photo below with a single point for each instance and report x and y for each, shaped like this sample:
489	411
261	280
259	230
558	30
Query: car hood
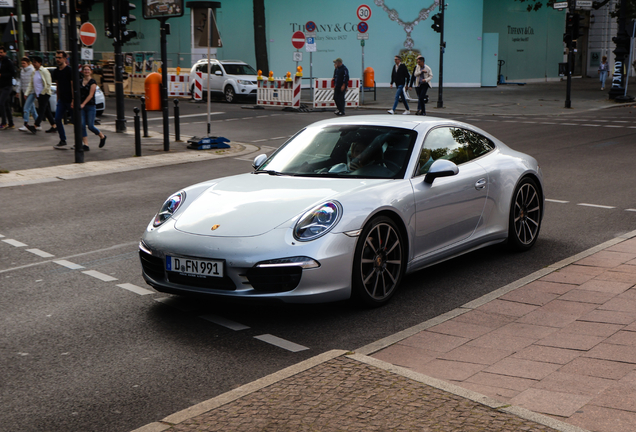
253	204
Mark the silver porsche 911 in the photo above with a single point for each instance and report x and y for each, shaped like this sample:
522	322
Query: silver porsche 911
343	210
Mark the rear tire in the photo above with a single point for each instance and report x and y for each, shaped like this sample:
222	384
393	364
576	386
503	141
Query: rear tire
379	262
525	215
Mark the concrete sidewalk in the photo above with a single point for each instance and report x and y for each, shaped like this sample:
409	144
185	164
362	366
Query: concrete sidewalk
553	351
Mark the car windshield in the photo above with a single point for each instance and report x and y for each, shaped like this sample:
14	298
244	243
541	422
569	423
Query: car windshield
344	151
238	69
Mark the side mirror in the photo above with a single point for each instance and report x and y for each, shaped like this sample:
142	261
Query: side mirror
218	73
259	160
440	168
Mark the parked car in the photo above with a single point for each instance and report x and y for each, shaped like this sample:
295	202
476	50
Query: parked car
100	100
232	78
344	209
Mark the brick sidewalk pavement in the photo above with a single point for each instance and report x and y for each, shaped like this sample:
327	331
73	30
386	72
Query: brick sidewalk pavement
341	392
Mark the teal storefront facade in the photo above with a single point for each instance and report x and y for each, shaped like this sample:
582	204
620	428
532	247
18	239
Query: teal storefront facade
478	34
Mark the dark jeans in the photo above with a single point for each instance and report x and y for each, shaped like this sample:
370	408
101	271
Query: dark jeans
60	110
421	97
44	110
5	105
400	92
339	98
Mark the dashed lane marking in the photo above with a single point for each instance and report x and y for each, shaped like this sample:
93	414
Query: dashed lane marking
281	343
557	201
68	264
224	322
136	289
40	253
99	275
631	210
15	243
595	205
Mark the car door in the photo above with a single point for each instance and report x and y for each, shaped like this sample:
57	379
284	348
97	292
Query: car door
449	209
216	81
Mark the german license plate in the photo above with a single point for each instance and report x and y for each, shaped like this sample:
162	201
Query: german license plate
194	267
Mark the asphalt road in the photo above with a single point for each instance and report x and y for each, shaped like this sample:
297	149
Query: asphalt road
83	352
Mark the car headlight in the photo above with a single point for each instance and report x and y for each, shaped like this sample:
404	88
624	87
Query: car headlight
243	82
169	208
318	221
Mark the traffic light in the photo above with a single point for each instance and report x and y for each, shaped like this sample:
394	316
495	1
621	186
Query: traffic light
573	25
109	25
126	18
437	23
83	6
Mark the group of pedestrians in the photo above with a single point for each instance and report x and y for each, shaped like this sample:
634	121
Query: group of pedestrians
403	80
420	79
35	85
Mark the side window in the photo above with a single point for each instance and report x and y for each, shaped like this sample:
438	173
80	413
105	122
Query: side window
216	67
202	67
455	144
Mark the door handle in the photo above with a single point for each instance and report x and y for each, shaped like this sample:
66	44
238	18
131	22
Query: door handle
480	184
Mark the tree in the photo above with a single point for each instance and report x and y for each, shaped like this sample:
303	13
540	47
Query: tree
260	36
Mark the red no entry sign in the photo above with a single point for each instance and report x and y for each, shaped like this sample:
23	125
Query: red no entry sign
298	40
88	34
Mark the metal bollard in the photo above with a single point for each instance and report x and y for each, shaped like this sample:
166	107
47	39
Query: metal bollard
144	115
137	133
177	128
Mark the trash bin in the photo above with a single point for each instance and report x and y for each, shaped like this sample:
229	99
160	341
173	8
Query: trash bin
152	90
369	77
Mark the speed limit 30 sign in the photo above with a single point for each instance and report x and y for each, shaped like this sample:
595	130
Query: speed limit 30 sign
363	12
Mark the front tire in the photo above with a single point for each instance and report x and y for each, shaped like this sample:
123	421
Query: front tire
379	262
230	94
525	215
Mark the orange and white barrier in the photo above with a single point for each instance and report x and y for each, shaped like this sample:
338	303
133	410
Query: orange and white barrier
279	91
178	85
323	93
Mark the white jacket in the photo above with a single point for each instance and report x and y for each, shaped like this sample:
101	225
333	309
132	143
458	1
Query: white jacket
25	78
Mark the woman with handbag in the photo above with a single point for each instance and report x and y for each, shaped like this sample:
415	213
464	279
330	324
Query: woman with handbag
88	86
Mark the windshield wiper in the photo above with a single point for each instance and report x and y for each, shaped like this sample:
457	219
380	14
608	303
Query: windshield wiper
270	172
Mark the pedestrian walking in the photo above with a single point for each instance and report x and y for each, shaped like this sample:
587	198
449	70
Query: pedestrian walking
88	109
28	102
340	83
401	77
602	71
63	77
7	74
40	86
421	80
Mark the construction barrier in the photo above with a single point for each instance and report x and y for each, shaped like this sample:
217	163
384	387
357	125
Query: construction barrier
279	91
178	85
323	93
198	86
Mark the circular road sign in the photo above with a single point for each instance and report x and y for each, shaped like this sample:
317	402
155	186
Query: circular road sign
363	27
363	12
298	39
88	34
310	26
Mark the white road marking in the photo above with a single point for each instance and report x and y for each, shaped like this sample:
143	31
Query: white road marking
1	236
281	343
595	205
68	264
136	289
40	253
632	210
224	322
99	275
184	116
278	138
15	243
557	201
592	125
612	126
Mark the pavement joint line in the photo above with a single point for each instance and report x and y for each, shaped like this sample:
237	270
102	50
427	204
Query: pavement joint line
240	392
397	337
467	394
